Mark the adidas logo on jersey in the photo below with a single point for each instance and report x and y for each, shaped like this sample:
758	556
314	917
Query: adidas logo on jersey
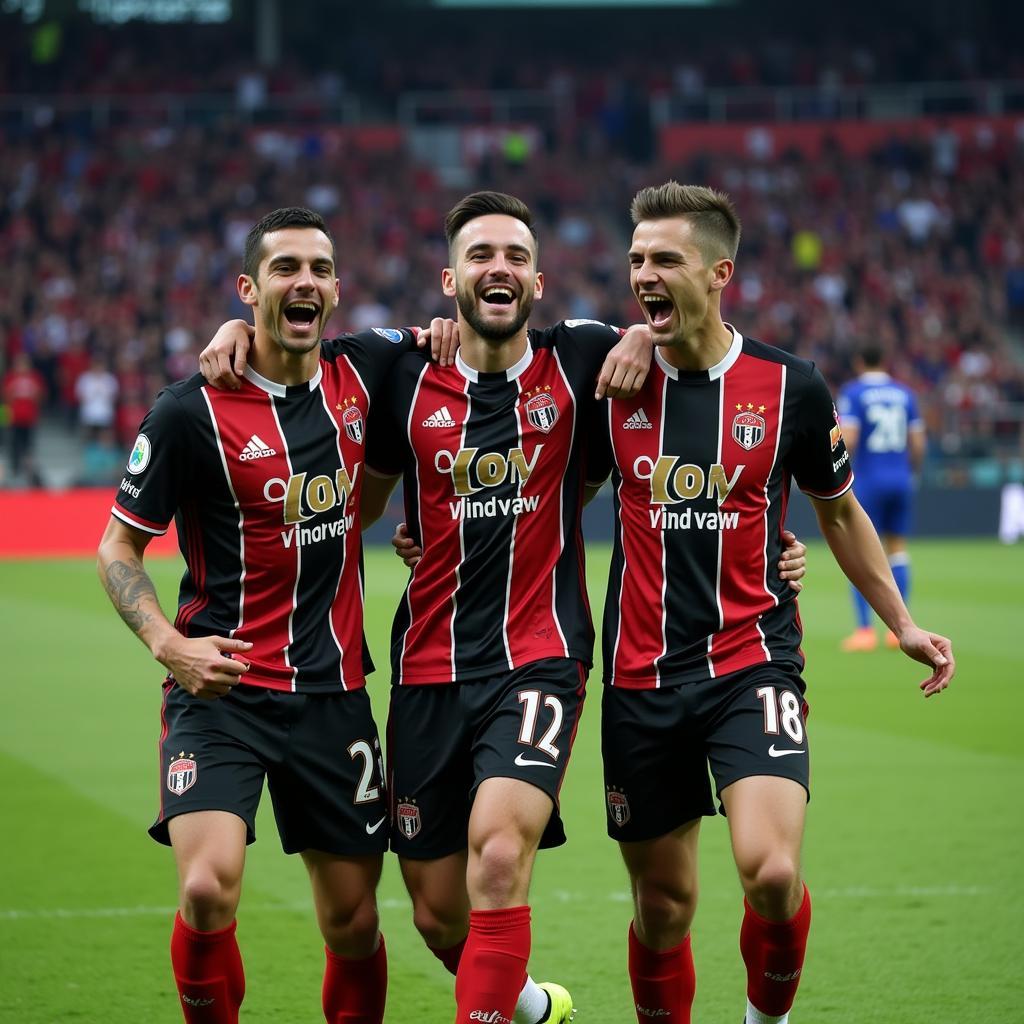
440	418
638	421
256	448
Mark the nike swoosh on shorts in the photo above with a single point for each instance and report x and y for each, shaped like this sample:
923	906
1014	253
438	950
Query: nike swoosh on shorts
370	829
772	752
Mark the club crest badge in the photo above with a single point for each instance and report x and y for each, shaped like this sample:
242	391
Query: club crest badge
540	408
618	807
408	820
748	426
352	419
182	774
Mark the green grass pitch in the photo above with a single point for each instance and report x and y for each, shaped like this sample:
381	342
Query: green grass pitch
913	852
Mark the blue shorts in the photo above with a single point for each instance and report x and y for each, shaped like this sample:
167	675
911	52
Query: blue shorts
887	503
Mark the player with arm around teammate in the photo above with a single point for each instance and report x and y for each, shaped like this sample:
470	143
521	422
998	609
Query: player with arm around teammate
702	458
266	659
885	437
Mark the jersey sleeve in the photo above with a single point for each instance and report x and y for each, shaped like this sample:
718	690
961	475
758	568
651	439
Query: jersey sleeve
584	344
150	490
387	442
819	460
373	353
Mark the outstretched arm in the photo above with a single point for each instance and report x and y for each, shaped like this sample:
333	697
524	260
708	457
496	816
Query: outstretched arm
849	533
205	666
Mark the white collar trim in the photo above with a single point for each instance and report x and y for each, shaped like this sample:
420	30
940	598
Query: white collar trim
715	372
279	390
515	370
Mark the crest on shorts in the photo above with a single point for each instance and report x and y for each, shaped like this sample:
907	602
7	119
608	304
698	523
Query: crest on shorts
352	419
408	820
182	774
748	426
618	807
540	408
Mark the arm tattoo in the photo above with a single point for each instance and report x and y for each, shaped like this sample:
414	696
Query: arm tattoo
127	585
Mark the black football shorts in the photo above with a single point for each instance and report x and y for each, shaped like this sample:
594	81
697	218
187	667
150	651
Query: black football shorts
444	740
658	744
320	754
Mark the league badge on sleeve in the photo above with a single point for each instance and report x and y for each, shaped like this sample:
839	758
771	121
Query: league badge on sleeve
139	458
748	426
182	774
540	408
389	334
835	434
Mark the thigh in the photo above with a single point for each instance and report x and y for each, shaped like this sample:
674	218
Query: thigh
766	817
210	757
655	762
430	771
212	840
328	785
526	723
667	864
341	884
756	725
438	885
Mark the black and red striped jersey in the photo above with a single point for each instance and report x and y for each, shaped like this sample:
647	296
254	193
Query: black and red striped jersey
493	480
701	466
264	485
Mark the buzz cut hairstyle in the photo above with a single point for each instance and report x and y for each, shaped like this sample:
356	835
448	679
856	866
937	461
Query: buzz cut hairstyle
482	204
716	225
278	220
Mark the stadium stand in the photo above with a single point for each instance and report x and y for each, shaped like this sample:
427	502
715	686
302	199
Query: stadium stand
132	165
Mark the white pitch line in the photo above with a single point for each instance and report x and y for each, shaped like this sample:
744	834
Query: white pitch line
558	896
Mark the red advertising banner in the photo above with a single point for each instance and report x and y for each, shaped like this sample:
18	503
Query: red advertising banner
60	524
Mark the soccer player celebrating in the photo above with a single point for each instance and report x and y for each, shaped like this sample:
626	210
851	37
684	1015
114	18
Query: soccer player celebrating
493	640
702	652
885	437
266	658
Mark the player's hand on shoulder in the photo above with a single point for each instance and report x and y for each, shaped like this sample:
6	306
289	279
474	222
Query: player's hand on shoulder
793	564
625	368
443	338
405	547
223	360
933	650
208	666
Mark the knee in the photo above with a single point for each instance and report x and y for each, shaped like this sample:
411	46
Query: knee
350	929
773	886
499	868
441	924
663	913
208	900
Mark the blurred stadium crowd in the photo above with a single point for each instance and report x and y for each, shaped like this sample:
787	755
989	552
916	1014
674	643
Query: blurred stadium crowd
121	242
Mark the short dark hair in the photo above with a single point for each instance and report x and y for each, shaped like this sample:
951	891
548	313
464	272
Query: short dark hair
277	220
480	204
871	355
716	225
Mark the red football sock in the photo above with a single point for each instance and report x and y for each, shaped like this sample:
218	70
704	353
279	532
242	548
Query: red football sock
208	972
663	983
774	954
355	990
449	956
492	970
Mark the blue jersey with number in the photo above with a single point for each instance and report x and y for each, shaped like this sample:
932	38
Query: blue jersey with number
884	412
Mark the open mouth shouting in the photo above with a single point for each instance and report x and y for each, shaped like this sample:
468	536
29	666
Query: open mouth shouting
658	308
302	315
497	295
